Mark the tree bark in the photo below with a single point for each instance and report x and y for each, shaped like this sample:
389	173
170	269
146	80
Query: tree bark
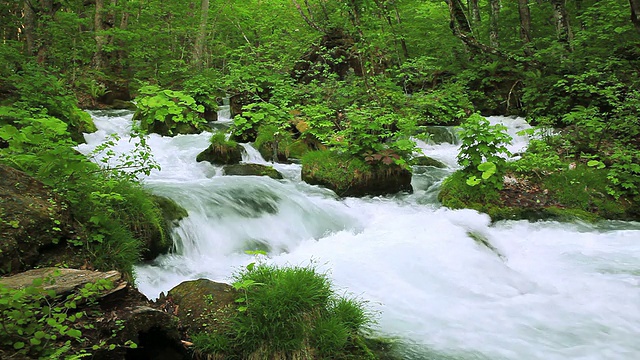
525	24
563	29
635	13
198	53
29	27
494	38
101	39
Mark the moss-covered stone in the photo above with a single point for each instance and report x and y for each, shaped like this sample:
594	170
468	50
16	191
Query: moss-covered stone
563	196
33	221
348	176
203	304
427	161
221	151
172	213
252	170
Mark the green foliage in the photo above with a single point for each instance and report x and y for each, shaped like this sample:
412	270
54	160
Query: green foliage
288	311
482	150
260	114
169	107
116	214
445	105
204	89
34	321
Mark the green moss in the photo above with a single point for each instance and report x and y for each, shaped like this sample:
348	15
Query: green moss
335	171
352	176
567	195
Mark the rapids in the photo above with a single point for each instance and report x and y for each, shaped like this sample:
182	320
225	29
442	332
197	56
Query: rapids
546	290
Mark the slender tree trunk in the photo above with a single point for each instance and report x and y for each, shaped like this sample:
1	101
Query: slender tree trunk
635	13
494	38
29	27
198	53
101	39
403	43
563	29
525	24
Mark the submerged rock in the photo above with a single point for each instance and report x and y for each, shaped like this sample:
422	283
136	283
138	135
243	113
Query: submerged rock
252	169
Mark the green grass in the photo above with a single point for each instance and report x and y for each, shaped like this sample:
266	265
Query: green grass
290	313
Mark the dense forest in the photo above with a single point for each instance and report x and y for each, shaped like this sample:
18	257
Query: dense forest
346	85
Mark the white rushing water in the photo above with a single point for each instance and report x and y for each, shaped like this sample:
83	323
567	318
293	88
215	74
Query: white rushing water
555	291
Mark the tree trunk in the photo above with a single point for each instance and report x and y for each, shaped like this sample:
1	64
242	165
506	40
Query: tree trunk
525	24
403	43
494	39
563	29
198	52
29	27
635	13
101	39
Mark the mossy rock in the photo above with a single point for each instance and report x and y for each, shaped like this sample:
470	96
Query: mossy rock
252	170
172	213
203	304
221	154
123	104
348	176
427	161
33	221
569	195
79	124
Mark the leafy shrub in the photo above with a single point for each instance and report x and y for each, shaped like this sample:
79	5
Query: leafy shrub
448	104
260	114
168	109
34	321
481	151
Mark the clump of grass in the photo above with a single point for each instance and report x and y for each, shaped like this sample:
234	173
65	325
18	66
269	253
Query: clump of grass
220	142
290	313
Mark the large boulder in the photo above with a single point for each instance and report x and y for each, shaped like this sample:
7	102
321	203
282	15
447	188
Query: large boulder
201	304
348	176
33	221
252	170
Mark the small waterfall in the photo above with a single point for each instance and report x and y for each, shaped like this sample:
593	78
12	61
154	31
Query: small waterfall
251	155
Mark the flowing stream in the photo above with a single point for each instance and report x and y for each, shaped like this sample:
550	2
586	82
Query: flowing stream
544	290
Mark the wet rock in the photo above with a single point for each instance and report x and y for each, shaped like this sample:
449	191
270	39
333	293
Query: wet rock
353	177
220	154
202	304
427	161
34	220
252	169
155	243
